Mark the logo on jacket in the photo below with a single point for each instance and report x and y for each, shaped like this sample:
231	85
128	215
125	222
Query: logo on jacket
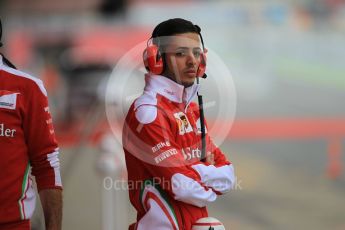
5	132
160	145
183	123
165	155
8	99
190	154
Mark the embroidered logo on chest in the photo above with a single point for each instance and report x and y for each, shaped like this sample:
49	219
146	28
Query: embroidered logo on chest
8	99
183	123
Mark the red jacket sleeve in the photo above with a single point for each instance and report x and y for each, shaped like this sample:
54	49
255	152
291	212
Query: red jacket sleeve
40	138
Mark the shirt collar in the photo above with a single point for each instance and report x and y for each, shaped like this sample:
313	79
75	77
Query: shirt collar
1	61
170	89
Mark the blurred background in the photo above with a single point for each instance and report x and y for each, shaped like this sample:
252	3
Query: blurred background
287	64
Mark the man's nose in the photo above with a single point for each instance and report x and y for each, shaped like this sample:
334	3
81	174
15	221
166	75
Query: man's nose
191	60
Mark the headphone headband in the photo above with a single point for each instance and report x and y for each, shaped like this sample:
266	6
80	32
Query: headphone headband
154	37
199	32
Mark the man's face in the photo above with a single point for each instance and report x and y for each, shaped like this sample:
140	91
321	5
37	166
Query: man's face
182	55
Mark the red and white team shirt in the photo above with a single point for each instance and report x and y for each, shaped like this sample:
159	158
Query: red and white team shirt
168	185
27	141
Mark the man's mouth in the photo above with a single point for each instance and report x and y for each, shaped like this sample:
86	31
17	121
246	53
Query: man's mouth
190	71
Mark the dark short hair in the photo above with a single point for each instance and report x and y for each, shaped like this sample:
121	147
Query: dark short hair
172	27
0	32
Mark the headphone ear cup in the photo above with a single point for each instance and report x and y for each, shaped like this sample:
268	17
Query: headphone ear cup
153	60
202	65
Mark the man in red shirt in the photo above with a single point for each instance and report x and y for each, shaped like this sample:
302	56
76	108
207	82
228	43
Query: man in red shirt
169	185
27	145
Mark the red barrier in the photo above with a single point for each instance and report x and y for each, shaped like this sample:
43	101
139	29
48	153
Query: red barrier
332	129
334	167
298	128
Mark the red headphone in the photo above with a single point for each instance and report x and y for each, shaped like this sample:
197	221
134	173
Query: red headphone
153	60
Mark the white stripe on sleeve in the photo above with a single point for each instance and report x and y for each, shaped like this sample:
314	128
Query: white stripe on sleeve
190	191
54	162
221	179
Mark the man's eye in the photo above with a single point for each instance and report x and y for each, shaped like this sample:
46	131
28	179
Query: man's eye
196	54
180	53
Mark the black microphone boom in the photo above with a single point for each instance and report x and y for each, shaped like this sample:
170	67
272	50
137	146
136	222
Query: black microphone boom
202	126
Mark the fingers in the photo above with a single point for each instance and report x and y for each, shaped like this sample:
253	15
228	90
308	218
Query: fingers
210	159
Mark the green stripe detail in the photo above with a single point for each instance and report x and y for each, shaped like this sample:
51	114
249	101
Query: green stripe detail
24	184
161	192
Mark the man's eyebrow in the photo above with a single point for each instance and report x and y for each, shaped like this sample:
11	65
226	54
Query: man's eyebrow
186	48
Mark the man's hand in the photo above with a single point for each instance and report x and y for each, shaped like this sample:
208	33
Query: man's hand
210	159
51	200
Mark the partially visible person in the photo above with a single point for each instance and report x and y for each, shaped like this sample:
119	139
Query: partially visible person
27	145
